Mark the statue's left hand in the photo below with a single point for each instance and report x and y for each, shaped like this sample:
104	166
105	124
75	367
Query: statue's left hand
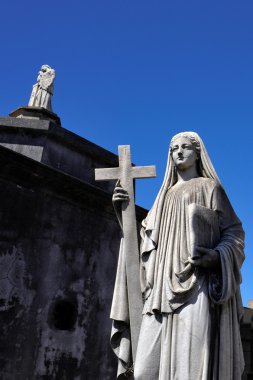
209	258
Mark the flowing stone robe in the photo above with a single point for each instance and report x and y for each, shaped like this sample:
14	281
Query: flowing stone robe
42	91
194	322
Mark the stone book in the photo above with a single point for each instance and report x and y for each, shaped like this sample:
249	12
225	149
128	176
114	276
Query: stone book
203	228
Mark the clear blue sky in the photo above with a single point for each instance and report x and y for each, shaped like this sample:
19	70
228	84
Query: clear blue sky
138	71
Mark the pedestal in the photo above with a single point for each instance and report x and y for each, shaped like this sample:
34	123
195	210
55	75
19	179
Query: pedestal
40	113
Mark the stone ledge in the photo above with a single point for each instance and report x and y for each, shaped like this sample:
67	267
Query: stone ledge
24	127
28	173
40	113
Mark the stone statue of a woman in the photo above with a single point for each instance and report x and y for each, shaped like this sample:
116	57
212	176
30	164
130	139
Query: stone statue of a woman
43	90
192	303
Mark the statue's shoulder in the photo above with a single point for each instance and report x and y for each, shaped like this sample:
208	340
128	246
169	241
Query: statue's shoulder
211	183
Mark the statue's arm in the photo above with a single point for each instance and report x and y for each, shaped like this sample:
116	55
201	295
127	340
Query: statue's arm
231	249
232	234
47	80
230	229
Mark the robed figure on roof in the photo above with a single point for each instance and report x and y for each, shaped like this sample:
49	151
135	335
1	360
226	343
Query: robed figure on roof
43	90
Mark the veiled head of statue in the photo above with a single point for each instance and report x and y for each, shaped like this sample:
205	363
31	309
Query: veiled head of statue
45	68
204	167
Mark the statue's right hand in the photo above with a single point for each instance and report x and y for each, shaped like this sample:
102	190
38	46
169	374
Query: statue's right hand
119	195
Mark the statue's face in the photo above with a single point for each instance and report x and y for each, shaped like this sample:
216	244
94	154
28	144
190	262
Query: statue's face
183	153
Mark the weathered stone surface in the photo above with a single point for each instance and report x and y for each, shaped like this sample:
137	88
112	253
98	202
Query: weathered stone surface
34	152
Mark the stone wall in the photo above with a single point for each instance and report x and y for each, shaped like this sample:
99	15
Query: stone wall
58	253
247	340
59	241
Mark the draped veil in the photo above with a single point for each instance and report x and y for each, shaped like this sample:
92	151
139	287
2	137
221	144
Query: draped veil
152	221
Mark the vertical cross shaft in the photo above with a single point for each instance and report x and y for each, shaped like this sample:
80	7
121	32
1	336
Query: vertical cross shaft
126	173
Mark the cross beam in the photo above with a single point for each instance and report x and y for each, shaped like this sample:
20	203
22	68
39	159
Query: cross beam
126	173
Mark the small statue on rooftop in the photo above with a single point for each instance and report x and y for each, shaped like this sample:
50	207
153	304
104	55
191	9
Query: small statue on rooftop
43	90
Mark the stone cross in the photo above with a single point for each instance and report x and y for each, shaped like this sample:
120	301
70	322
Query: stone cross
126	173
